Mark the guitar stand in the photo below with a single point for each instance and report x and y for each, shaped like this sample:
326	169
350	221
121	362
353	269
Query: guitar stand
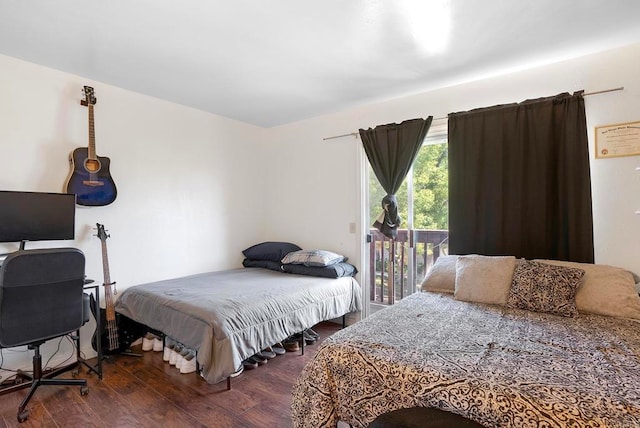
130	353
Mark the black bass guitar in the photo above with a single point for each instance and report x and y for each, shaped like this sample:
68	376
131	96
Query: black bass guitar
118	332
90	178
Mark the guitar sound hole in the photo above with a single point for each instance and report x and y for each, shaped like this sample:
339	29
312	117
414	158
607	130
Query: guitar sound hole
92	165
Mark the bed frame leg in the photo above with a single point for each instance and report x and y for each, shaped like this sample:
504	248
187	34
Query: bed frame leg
229	383
344	321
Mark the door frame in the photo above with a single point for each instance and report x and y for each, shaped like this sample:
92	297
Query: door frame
437	131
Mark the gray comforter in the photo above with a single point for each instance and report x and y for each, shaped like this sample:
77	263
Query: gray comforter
500	367
230	315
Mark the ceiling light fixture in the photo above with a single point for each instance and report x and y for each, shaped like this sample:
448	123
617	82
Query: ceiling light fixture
429	22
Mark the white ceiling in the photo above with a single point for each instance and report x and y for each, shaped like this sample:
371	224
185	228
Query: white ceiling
274	62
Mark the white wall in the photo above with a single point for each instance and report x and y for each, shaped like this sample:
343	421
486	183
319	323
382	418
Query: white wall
316	182
195	188
187	198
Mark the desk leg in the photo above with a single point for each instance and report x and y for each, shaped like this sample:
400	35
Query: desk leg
97	369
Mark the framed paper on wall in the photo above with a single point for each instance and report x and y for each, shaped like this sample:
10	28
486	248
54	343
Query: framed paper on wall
621	139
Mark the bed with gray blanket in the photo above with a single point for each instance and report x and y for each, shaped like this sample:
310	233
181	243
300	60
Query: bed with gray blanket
228	316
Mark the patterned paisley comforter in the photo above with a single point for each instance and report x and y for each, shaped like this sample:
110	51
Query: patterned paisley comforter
497	366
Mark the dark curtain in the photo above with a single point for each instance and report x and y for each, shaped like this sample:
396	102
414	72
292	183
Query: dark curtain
391	150
519	180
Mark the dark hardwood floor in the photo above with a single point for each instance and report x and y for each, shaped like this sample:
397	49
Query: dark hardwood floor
148	392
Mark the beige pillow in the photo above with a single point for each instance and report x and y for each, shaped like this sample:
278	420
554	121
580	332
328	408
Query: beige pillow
442	276
606	290
484	279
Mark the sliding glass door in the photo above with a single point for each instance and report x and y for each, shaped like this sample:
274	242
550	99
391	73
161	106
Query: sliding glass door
396	267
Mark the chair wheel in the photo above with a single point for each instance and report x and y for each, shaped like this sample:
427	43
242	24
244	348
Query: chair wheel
22	416
84	390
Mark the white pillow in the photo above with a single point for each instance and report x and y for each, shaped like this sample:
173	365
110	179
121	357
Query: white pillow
313	258
442	276
484	279
605	290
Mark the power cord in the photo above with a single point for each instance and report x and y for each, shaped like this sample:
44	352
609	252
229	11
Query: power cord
66	360
46	365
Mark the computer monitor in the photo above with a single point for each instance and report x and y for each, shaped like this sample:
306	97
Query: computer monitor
36	216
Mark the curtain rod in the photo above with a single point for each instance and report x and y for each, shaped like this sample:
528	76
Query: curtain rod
586	94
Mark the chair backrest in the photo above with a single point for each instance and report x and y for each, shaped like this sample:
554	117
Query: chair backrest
41	295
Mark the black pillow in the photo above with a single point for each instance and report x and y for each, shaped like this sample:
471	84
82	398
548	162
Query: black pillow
266	264
336	270
274	251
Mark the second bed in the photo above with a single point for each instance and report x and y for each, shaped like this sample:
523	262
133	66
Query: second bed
228	316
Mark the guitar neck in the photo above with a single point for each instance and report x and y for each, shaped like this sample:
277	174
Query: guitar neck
92	135
108	294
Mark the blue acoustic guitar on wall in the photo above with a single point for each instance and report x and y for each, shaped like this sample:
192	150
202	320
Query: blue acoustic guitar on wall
90	178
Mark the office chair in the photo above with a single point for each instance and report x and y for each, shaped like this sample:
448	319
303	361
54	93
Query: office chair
41	298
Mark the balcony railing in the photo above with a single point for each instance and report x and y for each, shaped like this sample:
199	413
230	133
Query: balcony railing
389	262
